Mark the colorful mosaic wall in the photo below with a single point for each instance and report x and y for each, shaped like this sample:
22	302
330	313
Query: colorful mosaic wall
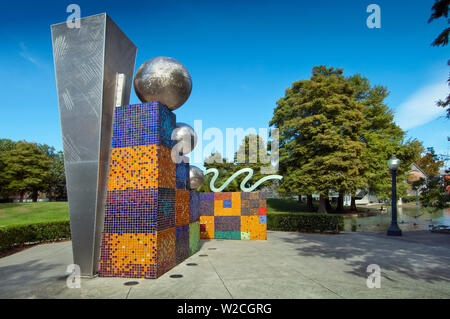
151	217
233	216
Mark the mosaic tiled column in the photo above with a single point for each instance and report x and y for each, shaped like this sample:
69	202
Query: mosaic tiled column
233	215
140	233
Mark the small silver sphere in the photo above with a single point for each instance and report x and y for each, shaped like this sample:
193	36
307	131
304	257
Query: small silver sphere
165	80
185	138
195	177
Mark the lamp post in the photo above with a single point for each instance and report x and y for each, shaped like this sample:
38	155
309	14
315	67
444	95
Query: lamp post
393	164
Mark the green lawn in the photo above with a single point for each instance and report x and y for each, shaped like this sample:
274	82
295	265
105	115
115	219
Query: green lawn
29	213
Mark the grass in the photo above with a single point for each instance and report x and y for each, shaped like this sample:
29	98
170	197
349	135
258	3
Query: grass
29	213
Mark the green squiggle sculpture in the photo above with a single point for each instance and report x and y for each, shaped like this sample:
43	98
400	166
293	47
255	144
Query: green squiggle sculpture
239	172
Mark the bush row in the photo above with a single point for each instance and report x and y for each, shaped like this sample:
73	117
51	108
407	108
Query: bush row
15	236
409	199
306	222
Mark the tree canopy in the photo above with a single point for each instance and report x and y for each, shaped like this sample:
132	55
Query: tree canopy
336	134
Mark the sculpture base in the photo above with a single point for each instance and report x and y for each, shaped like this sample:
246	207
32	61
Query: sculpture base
236	215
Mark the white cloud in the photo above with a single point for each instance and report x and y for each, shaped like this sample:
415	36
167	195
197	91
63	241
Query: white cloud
420	107
24	53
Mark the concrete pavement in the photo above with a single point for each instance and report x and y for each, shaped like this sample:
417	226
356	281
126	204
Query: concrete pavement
287	265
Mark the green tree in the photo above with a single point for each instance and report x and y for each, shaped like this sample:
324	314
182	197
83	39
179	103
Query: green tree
433	191
383	137
320	125
430	163
5	146
26	169
225	168
56	181
440	10
252	153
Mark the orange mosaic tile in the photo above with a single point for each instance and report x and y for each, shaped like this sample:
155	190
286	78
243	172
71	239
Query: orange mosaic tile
133	168
182	207
129	255
207	227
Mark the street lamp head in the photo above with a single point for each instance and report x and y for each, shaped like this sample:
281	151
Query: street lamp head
393	163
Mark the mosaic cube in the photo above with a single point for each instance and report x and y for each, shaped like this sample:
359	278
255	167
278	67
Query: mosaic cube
147	228
227	223
245	235
182	173
207	227
227	235
143	124
194	207
182	243
206	205
227	204
194	237
182	207
234	215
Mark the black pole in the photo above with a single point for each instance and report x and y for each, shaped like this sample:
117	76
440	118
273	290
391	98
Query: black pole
394	230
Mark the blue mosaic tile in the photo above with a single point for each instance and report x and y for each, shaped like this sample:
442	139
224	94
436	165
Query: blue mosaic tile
143	124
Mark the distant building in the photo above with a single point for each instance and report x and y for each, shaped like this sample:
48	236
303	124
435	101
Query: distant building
415	175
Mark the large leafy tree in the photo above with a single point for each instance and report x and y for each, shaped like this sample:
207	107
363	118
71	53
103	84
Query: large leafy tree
440	10
337	133
383	137
320	125
25	169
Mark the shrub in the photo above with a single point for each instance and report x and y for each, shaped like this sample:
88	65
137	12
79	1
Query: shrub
409	199
15	236
307	222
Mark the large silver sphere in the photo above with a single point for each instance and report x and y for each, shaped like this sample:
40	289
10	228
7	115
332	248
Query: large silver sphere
195	177
165	80
185	138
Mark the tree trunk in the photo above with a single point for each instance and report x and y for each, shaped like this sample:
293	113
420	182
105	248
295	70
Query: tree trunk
327	204
340	203
21	194
353	204
322	205
309	203
300	199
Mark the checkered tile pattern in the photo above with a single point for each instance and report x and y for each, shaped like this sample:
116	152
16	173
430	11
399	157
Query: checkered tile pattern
149	225
233	216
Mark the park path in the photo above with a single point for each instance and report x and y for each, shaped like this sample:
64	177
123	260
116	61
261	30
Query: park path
287	265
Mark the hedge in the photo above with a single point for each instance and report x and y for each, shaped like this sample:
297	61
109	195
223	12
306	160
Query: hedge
305	222
15	236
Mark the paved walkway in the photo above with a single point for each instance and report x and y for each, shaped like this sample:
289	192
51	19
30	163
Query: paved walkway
287	265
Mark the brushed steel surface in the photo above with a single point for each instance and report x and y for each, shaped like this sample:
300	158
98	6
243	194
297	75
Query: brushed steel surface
196	177
165	80
185	138
87	61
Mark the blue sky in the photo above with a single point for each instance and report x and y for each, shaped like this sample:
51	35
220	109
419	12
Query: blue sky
242	55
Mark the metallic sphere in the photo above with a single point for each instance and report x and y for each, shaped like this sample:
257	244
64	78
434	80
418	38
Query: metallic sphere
185	138
165	80
195	177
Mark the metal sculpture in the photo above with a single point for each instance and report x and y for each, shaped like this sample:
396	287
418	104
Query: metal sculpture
165	80
244	181
185	138
94	68
196	177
